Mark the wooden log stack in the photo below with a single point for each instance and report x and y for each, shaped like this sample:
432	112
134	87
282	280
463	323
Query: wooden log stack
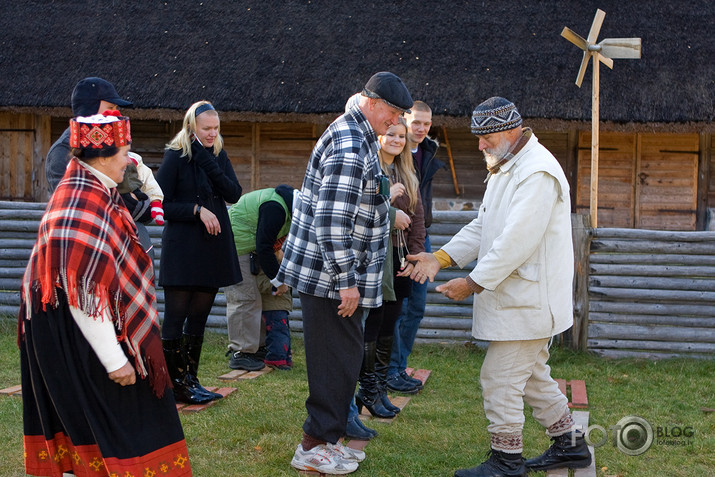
648	294
652	293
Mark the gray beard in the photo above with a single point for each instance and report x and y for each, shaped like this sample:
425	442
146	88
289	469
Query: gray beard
493	157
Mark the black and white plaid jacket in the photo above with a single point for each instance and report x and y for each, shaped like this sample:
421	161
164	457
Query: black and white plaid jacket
338	235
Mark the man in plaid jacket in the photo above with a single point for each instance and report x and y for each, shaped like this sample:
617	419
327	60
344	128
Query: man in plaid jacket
333	257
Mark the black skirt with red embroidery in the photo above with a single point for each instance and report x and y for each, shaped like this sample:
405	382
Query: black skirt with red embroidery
77	420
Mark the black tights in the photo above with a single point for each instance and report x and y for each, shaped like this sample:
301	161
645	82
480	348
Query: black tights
186	310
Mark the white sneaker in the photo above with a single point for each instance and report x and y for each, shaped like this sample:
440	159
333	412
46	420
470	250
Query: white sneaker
348	453
322	459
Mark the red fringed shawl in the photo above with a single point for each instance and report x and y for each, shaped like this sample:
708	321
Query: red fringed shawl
87	246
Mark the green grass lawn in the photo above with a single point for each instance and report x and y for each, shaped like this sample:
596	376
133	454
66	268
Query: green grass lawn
254	431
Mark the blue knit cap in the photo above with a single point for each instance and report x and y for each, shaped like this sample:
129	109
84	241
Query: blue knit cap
495	115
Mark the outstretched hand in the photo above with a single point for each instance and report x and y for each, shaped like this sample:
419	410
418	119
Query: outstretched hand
456	289
426	267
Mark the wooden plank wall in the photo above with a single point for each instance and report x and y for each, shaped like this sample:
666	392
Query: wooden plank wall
616	180
652	293
24	142
652	181
647	181
469	162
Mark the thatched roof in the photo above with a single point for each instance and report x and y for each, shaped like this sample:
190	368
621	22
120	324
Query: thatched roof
307	57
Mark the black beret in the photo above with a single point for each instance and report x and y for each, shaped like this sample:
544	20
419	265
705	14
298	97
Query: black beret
389	87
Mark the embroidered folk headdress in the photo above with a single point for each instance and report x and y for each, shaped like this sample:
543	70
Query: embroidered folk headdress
100	131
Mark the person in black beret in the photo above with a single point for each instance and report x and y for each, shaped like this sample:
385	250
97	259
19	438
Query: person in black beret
334	258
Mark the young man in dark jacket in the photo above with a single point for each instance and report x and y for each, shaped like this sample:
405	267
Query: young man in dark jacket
90	96
424	149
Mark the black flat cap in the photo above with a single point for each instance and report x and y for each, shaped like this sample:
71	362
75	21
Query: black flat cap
390	88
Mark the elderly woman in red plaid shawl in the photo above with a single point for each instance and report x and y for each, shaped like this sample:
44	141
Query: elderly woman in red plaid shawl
96	392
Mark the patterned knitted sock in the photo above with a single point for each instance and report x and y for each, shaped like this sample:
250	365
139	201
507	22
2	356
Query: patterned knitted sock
562	426
508	443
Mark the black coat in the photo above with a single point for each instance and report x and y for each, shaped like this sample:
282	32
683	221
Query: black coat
189	255
425	174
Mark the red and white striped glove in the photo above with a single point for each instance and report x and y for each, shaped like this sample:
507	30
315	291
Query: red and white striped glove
157	212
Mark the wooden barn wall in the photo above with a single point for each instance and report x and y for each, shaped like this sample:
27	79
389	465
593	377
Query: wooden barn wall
646	180
24	142
469	163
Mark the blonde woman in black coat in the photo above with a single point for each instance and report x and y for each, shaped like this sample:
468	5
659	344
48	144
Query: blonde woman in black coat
198	255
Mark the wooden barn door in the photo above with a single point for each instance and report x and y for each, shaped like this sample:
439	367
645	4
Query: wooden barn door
24	142
667	181
646	181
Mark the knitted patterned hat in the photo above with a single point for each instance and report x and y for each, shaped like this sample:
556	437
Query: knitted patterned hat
495	115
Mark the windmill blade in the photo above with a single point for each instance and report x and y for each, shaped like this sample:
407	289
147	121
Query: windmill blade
621	48
605	60
582	70
596	26
574	38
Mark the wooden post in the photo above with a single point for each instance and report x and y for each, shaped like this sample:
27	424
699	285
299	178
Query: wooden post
581	232
255	152
451	160
594	142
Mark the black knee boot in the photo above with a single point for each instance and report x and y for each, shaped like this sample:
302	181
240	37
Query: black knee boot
383	350
368	394
176	363
193	345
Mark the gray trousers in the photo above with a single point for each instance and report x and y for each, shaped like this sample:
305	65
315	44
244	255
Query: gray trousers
246	332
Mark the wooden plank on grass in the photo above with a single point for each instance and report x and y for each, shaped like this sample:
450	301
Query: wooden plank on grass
232	375
557	473
422	375
581	418
579	399
255	374
11	390
357	444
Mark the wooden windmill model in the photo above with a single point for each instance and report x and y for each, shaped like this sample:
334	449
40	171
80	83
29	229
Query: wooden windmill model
604	52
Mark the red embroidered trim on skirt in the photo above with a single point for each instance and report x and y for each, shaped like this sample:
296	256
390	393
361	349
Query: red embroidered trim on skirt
49	458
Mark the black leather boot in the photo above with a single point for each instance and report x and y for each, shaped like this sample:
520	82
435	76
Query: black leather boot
368	394
192	347
566	451
383	350
184	391
499	464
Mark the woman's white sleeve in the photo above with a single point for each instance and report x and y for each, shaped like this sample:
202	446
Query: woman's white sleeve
102	338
